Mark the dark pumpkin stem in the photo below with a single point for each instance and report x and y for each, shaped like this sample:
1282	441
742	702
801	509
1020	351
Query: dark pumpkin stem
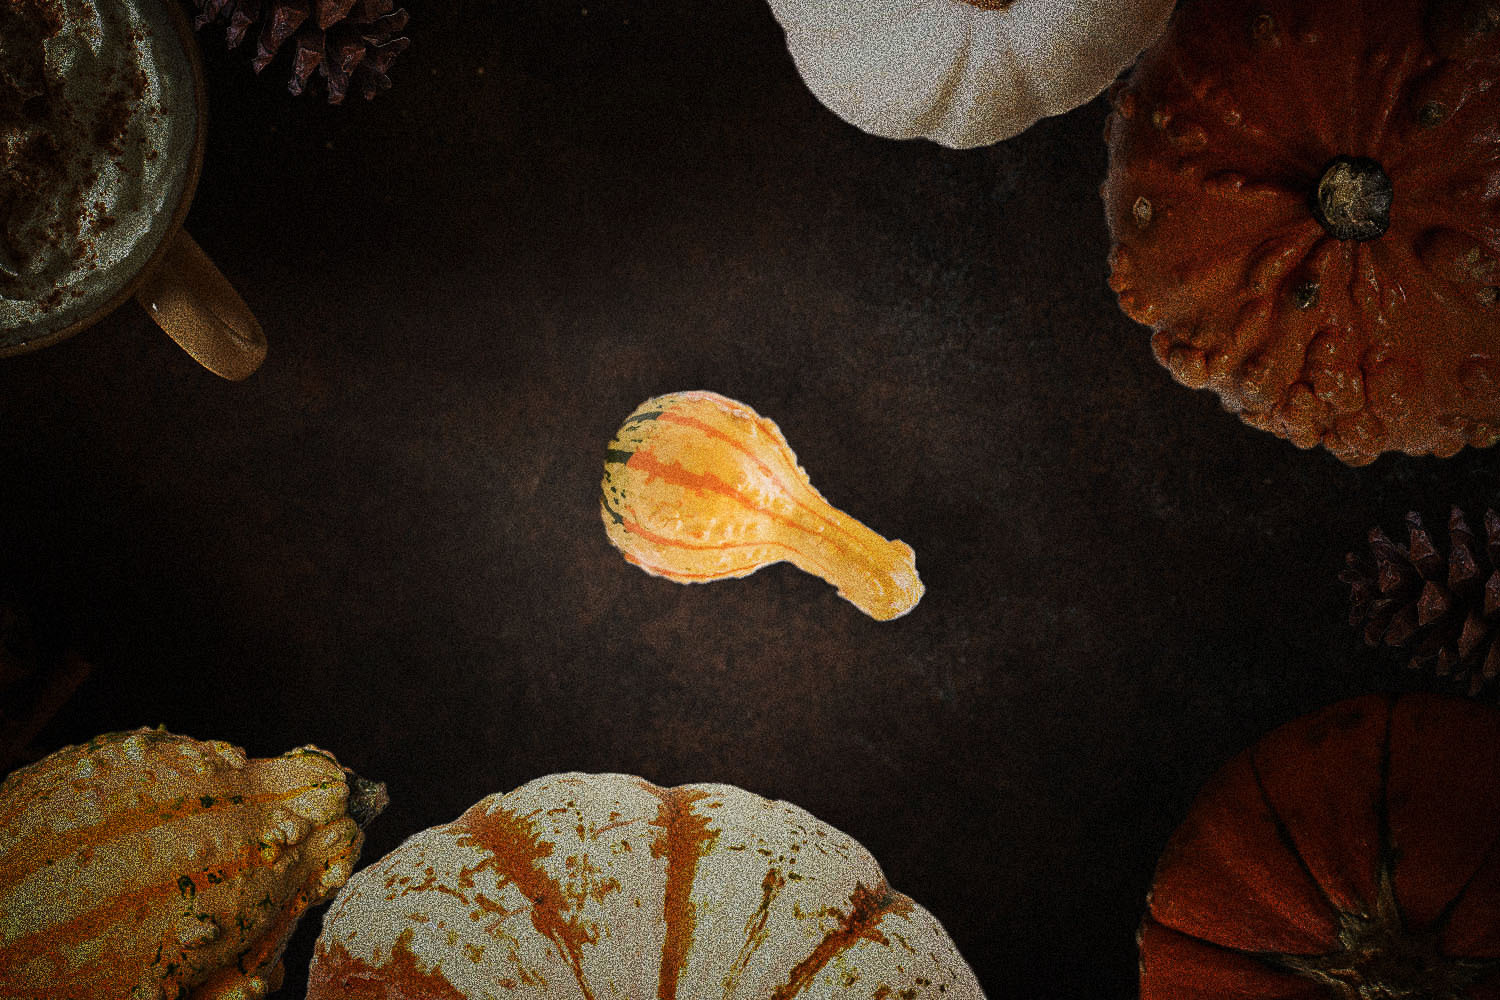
1380	958
367	799
1353	199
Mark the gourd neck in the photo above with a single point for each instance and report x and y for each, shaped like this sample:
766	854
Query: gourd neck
1352	199
1380	958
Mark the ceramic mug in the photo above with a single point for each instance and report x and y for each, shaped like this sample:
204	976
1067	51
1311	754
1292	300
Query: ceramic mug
104	99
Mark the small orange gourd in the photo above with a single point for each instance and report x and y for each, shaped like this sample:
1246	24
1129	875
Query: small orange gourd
698	487
149	866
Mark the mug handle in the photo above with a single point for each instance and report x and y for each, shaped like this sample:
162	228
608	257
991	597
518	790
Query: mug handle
194	303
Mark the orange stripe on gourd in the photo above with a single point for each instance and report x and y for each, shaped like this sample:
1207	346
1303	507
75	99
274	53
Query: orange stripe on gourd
700	561
94	920
147	863
699	487
781	457
86	839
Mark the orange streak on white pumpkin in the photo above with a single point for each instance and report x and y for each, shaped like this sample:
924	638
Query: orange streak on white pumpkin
686	836
400	978
515	854
755	929
430	883
866	908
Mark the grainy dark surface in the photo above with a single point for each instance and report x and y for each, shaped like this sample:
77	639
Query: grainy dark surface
387	541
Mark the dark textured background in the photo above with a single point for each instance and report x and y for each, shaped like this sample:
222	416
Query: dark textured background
388	542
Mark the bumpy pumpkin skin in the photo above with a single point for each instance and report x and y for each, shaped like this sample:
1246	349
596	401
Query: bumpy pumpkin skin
1218	142
148	865
962	73
1352	854
606	886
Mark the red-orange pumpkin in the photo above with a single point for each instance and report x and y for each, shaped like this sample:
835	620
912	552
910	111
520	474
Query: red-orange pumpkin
1305	204
1352	854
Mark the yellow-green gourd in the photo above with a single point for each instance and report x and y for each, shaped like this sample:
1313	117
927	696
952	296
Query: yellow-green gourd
144	865
698	487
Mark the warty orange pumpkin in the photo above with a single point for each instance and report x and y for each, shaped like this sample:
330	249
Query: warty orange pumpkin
1304	200
145	865
584	887
1352	854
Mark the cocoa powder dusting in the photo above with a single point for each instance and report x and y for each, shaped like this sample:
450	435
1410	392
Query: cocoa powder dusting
52	151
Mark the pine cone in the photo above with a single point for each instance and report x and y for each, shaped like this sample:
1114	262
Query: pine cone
350	43
1445	609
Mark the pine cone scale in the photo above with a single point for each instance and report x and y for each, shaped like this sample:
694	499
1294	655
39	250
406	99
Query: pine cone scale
239	24
387	53
1434	603
331	12
1402	627
282	25
1474	633
1463	568
1422	551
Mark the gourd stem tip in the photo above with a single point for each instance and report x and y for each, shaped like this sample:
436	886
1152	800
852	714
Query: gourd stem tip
367	799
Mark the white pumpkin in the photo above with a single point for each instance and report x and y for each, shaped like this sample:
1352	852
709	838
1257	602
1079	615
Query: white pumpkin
586	887
963	72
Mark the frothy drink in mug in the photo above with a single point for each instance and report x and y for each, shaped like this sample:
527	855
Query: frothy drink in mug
98	122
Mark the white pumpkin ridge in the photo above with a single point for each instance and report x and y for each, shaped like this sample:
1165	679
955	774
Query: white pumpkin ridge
959	74
589	887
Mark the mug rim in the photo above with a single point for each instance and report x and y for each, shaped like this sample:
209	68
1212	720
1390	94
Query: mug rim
189	42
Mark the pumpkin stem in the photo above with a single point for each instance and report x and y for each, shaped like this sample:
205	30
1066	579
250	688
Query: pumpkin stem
1352	199
1381	958
367	799
989	4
